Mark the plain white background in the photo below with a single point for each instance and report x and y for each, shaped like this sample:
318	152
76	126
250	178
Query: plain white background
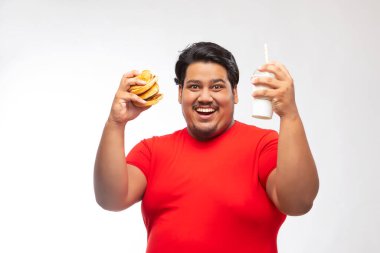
60	66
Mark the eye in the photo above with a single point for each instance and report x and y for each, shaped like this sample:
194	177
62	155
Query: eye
217	87
193	86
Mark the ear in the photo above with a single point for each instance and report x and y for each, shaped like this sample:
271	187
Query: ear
235	94
180	88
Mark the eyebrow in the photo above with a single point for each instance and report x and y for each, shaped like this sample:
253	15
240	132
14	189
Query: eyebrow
218	81
193	81
212	81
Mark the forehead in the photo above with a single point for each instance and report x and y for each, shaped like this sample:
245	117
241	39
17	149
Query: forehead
205	71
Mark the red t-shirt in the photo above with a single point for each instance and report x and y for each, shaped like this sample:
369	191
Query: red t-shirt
209	196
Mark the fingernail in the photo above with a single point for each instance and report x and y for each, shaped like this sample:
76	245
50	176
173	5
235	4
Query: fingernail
261	67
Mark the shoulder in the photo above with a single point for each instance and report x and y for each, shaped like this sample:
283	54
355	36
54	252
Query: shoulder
252	130
153	146
164	140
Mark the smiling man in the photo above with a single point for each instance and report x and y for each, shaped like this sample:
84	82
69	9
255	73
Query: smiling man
207	98
217	185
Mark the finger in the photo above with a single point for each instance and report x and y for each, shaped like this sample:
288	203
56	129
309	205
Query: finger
283	68
137	99
275	101
131	73
127	96
126	76
135	81
128	82
267	81
268	94
145	108
276	68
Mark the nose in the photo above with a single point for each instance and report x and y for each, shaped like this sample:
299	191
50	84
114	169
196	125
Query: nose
205	96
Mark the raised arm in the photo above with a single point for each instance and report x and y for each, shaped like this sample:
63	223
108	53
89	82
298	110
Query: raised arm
118	185
294	184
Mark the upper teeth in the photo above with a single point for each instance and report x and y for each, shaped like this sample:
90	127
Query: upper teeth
205	110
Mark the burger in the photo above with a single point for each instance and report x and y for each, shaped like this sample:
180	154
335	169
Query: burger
149	91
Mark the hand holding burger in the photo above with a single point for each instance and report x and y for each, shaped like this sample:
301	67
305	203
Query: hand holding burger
149	91
136	93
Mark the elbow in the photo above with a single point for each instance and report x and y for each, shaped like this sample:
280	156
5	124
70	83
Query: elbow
107	205
298	202
297	209
107	200
301	209
294	205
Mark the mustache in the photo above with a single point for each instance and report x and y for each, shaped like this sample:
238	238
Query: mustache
209	105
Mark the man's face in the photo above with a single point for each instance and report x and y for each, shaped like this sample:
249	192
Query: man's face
207	100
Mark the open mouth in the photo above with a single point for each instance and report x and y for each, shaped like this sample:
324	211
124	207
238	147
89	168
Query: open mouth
205	110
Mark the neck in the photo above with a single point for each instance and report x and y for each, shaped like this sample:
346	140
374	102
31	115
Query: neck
205	136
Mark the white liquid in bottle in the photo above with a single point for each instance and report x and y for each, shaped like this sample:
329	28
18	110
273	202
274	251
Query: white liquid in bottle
262	108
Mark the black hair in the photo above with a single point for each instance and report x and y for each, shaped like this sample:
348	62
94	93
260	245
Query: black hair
206	52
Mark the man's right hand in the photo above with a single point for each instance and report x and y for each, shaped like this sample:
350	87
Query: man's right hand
123	109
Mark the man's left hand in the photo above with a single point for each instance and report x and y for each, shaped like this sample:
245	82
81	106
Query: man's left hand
280	89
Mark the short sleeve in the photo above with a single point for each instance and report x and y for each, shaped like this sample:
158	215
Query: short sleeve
140	156
267	156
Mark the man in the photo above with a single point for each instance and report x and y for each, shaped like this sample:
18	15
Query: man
218	185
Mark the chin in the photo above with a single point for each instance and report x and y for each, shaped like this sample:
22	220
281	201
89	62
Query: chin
204	132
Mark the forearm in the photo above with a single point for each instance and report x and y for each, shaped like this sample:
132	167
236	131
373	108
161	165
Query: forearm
110	172
296	178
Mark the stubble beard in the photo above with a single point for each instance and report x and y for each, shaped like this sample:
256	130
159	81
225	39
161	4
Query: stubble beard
205	133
